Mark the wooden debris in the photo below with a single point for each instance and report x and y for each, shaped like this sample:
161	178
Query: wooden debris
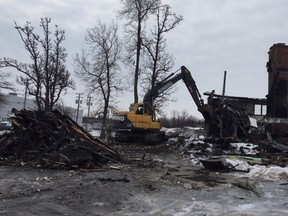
52	140
213	164
271	144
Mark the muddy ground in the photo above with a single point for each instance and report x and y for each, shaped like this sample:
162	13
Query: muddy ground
152	180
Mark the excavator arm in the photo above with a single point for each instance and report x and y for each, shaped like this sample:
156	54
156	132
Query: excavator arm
191	86
159	88
169	81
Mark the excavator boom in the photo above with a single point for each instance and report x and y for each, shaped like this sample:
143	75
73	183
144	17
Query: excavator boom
162	86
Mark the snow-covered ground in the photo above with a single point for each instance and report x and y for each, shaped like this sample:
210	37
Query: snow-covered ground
270	172
270	182
223	202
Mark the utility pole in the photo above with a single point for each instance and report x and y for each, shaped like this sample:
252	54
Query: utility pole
222	104
78	106
89	104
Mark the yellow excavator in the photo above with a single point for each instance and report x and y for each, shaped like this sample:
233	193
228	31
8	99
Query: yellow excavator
140	123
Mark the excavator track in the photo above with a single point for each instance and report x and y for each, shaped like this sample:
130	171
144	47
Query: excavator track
140	137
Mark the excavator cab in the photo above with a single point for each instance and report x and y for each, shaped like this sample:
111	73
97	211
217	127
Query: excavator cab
137	108
134	125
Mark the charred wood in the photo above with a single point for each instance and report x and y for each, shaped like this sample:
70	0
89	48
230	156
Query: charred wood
53	140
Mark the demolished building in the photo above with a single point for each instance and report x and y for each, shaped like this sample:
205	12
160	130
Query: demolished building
230	116
229	127
233	116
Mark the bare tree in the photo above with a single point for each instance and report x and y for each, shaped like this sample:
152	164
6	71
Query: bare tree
98	67
181	120
47	74
136	12
158	62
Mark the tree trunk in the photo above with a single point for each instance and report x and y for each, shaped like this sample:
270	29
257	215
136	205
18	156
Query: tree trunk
137	71
104	120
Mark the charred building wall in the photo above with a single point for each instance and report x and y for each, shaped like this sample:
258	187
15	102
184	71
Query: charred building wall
277	67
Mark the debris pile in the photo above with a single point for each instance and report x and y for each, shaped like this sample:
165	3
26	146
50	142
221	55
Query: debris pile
213	153
52	140
227	116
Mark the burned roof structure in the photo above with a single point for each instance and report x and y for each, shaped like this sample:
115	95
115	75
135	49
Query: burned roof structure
230	116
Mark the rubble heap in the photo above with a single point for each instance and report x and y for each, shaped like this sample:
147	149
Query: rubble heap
53	140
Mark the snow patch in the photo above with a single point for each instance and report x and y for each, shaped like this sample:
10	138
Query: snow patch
269	173
272	173
95	133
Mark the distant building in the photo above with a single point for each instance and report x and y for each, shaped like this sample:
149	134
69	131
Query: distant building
13	101
96	123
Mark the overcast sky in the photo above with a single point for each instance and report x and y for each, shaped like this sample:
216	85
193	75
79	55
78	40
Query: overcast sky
215	35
